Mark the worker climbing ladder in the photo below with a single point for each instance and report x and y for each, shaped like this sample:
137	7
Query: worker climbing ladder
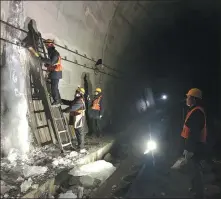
59	121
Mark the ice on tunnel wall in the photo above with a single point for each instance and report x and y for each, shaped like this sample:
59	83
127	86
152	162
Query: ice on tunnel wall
15	129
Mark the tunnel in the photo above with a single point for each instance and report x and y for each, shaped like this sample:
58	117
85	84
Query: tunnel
147	49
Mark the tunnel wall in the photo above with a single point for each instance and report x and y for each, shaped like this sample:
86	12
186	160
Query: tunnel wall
97	29
80	26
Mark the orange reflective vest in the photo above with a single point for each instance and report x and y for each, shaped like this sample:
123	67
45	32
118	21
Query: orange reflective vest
96	104
186	131
80	111
56	67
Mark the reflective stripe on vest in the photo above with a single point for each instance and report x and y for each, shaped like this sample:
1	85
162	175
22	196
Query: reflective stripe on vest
79	111
186	131
96	104
56	67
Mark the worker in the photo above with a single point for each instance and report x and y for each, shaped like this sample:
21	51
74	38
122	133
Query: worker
54	67
96	111
77	113
194	134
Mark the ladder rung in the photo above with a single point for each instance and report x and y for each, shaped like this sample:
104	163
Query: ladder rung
43	126
60	118
62	131
40	111
63	145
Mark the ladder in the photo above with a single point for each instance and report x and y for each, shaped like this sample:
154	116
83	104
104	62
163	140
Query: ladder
60	124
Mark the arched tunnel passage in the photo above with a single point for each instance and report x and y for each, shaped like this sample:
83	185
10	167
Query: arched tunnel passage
161	47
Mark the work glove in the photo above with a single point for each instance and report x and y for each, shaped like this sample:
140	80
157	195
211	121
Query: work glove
187	155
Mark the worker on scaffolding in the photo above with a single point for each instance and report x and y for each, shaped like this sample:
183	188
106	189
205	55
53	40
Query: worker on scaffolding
77	113
194	134
96	111
54	67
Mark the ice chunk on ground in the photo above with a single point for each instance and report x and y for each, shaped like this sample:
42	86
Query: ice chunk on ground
80	192
34	170
73	154
4	187
20	179
13	155
34	186
87	181
100	170
26	185
68	194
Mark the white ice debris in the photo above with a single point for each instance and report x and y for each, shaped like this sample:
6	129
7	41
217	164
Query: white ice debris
33	170
4	187
73	154
68	160
87	181
34	186
80	192
13	155
26	185
20	179
68	194
99	170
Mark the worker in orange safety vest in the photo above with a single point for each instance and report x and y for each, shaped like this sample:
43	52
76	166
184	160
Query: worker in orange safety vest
54	67
194	134
96	111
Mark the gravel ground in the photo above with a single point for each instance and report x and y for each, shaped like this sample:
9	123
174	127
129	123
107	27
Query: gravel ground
12	169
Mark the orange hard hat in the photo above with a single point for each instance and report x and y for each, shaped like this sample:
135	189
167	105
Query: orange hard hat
195	92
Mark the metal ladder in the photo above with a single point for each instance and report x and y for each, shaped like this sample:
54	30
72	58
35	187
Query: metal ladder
60	123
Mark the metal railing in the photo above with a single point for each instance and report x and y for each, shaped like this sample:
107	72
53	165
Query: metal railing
64	58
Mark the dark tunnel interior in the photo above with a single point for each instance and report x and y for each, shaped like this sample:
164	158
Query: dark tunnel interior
173	55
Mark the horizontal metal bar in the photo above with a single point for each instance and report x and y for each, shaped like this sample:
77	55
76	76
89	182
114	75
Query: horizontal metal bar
62	131
60	118
64	145
65	60
75	52
39	111
43	126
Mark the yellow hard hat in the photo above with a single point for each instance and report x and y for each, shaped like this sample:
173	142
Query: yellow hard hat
49	41
98	90
81	90
195	92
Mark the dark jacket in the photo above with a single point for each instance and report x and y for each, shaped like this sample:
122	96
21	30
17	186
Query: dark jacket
95	114
53	55
195	123
75	105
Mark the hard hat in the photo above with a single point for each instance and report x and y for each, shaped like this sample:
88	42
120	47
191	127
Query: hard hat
49	42
81	90
195	92
98	90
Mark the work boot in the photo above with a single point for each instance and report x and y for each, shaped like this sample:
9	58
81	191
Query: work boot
56	104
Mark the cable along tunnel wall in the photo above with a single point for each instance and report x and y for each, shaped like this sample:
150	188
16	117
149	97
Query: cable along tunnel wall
39	117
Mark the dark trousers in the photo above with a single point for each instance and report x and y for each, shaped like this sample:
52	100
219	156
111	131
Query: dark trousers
197	178
96	129
79	132
54	90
